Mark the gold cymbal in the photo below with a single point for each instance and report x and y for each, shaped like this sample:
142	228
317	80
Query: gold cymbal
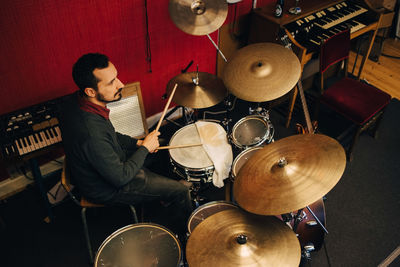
261	72
198	17
237	238
289	174
209	90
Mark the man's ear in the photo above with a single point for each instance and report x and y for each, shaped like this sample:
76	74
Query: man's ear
90	92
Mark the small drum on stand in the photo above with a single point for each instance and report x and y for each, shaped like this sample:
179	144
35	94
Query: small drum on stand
252	130
193	163
142	244
206	210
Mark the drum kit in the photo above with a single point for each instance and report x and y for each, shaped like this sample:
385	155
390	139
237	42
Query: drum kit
276	216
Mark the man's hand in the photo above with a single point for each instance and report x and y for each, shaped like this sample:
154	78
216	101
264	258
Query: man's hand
151	141
139	142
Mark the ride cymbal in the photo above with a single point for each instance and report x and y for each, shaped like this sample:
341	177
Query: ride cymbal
197	89
198	17
289	174
237	238
261	72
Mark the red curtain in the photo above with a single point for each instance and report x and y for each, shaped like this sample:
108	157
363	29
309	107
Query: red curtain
40	41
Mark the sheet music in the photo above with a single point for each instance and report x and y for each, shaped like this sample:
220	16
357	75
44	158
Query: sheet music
125	115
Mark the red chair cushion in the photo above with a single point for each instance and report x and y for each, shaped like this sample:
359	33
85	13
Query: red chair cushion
355	100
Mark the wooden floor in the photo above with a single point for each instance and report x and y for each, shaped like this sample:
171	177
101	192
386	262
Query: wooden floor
384	74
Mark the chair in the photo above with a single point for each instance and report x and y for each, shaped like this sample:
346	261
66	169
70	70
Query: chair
357	101
84	204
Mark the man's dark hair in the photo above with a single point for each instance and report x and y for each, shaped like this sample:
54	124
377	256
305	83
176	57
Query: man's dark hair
82	71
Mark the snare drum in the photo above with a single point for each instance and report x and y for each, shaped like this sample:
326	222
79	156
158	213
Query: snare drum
206	210
242	158
141	244
193	163
251	131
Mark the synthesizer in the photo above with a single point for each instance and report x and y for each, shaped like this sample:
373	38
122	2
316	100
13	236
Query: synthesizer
319	20
29	130
310	31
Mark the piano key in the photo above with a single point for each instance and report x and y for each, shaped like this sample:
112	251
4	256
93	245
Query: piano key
56	136
45	140
19	147
58	132
27	144
51	135
34	144
357	27
47	135
39	140
8	153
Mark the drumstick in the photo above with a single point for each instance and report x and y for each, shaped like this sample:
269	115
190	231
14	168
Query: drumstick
166	107
178	146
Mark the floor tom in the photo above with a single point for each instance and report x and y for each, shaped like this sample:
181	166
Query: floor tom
142	244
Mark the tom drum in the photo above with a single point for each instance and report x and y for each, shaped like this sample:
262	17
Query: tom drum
250	131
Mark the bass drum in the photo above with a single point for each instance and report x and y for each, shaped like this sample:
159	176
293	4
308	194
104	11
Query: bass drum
206	210
309	232
141	244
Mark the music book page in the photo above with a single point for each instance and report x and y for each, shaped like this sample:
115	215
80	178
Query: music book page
125	115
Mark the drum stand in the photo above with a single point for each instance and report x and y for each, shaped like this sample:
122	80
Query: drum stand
195	191
287	218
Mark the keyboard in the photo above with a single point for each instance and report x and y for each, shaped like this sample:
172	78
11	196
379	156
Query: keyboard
311	30
29	130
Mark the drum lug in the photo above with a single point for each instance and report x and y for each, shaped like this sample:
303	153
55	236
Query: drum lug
209	174
173	166
187	175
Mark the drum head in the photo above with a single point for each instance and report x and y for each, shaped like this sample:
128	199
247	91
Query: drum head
192	157
206	210
250	131
144	245
242	158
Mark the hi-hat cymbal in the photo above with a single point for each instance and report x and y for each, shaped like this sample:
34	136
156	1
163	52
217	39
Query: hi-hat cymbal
289	174
198	17
237	238
261	72
202	91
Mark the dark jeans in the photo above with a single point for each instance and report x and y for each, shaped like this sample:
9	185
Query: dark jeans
148	186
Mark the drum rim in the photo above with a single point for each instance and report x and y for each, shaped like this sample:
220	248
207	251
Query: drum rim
212	203
241	154
266	122
211	167
136	225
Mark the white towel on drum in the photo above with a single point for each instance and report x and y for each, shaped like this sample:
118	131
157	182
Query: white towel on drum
215	143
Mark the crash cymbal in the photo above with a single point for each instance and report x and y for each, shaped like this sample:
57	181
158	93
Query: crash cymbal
261	72
289	174
237	238
198	17
197	89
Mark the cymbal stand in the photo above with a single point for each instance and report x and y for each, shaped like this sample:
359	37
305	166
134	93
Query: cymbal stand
216	46
229	106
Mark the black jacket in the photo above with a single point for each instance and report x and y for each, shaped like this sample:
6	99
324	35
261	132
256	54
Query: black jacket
100	160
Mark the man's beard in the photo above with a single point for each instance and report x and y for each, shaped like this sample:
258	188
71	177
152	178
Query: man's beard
100	97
